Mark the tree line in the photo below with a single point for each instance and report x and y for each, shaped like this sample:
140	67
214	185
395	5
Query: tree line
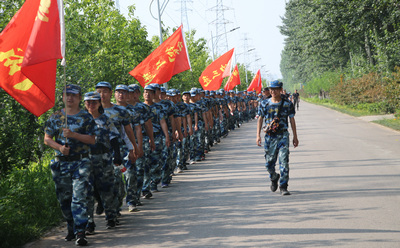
340	40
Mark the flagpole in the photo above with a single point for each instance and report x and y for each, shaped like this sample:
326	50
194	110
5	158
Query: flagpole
63	61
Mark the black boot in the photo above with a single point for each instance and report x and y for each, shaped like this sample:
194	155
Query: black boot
284	190
274	182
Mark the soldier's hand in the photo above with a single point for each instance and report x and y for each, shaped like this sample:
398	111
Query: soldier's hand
68	133
64	150
295	142
152	145
196	128
167	142
258	140
132	156
140	152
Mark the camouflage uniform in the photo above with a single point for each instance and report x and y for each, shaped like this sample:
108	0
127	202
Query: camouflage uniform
145	114
152	169
182	111
169	153
71	173
102	168
120	118
131	172
277	145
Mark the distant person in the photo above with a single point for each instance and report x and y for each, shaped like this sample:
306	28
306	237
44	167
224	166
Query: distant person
276	111
296	99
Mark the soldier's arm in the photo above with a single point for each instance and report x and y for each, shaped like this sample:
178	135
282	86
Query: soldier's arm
259	126
294	131
131	136
84	138
164	128
148	126
139	137
49	141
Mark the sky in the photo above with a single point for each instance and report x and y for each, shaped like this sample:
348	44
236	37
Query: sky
258	31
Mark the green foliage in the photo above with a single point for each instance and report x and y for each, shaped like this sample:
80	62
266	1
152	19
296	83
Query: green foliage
367	89
325	82
352	36
392	90
20	135
28	204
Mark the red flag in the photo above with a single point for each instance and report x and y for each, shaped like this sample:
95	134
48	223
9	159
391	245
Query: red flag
29	48
212	76
233	80
256	83
169	59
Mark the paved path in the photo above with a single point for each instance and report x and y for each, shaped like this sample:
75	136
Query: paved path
345	185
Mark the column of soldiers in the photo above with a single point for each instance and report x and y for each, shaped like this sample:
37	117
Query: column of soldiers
109	152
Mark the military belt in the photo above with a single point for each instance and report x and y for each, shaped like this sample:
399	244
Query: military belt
100	150
72	158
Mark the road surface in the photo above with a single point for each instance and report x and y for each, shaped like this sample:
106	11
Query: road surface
344	180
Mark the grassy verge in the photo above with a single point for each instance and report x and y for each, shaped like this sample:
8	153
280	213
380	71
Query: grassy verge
358	111
393	123
28	205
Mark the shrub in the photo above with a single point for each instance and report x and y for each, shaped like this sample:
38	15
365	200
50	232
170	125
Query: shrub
28	205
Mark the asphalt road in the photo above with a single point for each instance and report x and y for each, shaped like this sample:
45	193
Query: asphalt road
345	185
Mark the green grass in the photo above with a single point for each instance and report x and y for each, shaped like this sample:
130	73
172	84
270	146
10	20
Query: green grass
360	110
28	205
357	111
391	123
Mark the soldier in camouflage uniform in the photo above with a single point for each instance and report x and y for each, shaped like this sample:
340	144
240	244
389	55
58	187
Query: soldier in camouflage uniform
146	116
187	144
71	167
277	143
152	169
121	97
122	121
101	155
175	135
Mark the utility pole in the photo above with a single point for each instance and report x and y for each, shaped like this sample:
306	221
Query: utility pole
184	13
221	40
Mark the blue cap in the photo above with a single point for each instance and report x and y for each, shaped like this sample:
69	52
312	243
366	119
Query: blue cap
171	92
163	90
185	92
156	86
134	87
92	96
211	93
72	89
150	87
193	92
103	84
178	92
275	84
122	87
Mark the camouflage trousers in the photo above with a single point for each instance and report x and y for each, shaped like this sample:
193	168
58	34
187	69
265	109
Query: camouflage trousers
180	156
131	184
198	150
277	146
152	173
72	187
186	148
102	180
170	164
142	165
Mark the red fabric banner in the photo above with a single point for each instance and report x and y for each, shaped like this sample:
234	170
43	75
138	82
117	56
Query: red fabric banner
233	80
212	76
169	59
256	83
29	49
